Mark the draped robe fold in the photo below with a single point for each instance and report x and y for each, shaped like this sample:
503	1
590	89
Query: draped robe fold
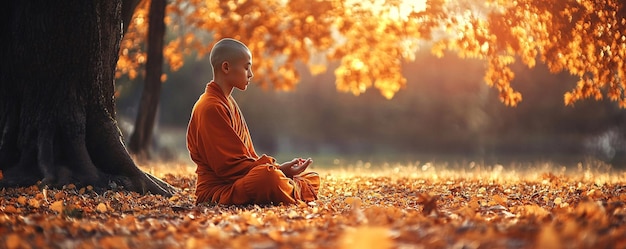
228	168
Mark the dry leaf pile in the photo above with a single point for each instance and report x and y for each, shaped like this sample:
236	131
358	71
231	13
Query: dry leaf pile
392	207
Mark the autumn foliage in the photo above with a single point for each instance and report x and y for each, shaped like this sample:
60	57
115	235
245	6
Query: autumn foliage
371	39
393	206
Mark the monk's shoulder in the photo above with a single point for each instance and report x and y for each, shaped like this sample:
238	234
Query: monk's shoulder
208	104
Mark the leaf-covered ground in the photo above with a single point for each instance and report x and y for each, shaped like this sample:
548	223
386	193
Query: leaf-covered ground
402	206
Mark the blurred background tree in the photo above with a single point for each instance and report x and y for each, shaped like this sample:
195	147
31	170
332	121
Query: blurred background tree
571	47
140	140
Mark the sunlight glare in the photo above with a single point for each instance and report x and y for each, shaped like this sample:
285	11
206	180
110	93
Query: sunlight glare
406	7
402	11
357	64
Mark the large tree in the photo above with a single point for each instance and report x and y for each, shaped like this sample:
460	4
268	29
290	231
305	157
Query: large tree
57	111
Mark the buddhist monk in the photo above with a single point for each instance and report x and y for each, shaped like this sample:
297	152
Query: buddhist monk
229	170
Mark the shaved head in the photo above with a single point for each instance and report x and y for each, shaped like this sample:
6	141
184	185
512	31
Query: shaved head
227	49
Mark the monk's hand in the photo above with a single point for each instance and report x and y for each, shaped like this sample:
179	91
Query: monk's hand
295	166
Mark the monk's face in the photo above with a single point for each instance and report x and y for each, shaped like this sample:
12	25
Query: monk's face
241	72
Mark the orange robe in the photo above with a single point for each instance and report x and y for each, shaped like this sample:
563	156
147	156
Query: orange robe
229	170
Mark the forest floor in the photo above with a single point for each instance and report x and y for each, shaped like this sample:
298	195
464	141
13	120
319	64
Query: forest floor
392	206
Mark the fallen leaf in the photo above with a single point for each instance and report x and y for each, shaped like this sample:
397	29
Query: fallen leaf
13	241
355	201
22	200
10	209
429	202
59	195
34	203
366	238
101	208
548	238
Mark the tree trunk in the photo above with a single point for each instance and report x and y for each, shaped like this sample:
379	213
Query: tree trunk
56	97
141	138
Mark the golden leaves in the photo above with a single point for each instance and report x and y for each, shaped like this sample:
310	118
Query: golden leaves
371	40
581	37
172	52
280	34
404	206
57	206
366	237
101	208
371	50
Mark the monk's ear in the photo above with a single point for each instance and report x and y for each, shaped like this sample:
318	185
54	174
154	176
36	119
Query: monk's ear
225	67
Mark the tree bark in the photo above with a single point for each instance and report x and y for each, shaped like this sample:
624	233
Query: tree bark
141	139
57	110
